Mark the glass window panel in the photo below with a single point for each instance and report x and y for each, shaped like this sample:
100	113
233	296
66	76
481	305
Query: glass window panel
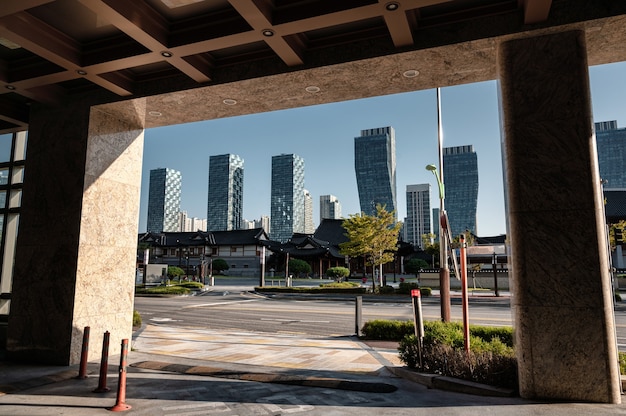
6	140
18	175
4	176
16	198
21	138
3	200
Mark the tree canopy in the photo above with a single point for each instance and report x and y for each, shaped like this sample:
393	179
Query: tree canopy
372	236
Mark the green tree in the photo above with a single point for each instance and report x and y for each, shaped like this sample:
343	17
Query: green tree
338	273
431	247
375	237
175	272
415	266
219	265
297	266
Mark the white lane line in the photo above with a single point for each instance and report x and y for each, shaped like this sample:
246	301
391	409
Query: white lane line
206	305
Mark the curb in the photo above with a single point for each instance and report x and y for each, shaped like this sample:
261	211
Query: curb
435	381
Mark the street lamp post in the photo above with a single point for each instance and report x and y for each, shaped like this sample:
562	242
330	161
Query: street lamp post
444	271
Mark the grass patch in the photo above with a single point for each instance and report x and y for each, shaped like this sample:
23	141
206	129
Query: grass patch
163	290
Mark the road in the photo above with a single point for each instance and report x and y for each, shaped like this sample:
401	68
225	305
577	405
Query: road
246	311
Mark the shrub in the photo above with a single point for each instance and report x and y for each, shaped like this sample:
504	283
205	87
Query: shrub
385	290
338	272
136	319
191	285
387	330
163	290
491	359
347	285
404	288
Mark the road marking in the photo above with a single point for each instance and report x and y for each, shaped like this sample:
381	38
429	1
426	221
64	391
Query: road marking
206	305
304	321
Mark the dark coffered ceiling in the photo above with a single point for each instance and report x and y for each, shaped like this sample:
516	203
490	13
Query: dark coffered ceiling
50	49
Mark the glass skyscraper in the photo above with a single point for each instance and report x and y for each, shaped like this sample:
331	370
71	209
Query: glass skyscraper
460	177
164	200
225	197
417	222
287	199
611	144
375	167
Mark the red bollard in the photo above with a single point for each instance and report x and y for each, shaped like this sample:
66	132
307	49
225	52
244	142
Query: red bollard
82	372
104	365
121	405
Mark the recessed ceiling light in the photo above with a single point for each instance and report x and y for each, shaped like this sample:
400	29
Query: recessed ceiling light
155	113
81	72
229	101
167	54
267	32
411	73
10	87
312	89
392	6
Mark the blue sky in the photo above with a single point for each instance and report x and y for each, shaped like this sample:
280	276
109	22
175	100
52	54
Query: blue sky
324	136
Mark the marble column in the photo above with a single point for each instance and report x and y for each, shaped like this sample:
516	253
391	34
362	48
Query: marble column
76	247
562	293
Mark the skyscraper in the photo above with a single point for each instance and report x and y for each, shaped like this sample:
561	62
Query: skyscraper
375	166
417	222
330	207
287	199
309	226
225	198
460	172
164	200
611	144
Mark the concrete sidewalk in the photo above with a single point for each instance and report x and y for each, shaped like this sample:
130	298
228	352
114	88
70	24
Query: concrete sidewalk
190	371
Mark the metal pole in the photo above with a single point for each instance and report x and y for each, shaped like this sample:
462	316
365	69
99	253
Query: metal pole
262	278
358	315
463	255
418	321
444	271
495	274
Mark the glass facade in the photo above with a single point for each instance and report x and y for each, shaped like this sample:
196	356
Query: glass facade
375	166
225	197
287	199
164	200
417	222
611	144
460	177
12	161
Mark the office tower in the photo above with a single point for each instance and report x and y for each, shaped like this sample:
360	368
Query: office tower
263	222
330	207
417	222
225	198
309	227
287	198
375	166
436	218
460	176
611	144
164	200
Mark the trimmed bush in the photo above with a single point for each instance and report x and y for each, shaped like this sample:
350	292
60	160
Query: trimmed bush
346	285
387	329
163	290
191	285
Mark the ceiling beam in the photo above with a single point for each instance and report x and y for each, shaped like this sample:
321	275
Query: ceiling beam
258	15
10	7
536	11
143	24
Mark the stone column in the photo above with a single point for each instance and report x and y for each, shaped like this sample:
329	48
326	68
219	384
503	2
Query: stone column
562	291
76	248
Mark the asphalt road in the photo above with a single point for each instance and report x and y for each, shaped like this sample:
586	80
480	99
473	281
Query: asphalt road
242	310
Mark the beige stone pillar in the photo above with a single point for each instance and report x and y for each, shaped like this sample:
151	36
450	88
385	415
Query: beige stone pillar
562	292
76	248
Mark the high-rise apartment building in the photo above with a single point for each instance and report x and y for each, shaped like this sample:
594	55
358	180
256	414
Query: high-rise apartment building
330	207
225	198
287	197
164	200
263	222
417	221
309	226
611	144
375	166
460	176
